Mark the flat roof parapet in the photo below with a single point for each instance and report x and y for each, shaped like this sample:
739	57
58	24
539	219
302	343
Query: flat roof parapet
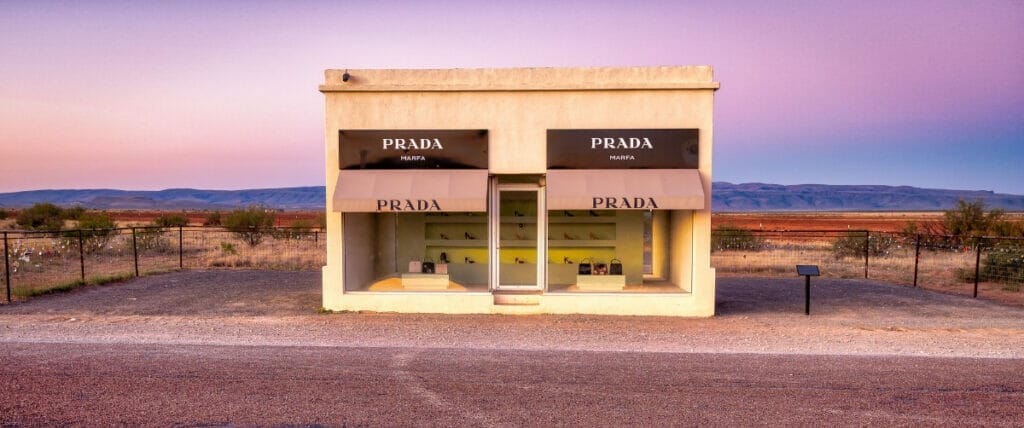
520	79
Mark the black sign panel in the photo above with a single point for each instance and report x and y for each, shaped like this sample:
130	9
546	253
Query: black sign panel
413	149
623	149
810	270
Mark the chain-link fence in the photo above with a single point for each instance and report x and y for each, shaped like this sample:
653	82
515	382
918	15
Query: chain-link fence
38	262
988	266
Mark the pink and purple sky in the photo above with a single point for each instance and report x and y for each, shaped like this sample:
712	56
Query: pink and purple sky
223	95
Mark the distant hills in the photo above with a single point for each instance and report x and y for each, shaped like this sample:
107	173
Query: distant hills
726	197
822	197
290	198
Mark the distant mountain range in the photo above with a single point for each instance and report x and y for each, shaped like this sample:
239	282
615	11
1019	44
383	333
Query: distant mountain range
726	197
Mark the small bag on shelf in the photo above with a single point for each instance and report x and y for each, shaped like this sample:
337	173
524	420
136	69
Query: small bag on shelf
600	268
615	267
441	268
428	265
415	265
585	265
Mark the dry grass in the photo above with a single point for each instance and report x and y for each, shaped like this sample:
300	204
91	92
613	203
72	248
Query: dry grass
42	264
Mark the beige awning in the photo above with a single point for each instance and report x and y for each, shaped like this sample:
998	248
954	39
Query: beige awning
411	190
637	189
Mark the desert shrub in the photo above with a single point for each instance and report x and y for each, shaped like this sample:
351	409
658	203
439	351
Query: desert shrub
298	229
228	248
73	213
250	224
735	238
212	219
3	214
171	220
41	216
153	239
1004	262
851	244
321	220
970	219
96	229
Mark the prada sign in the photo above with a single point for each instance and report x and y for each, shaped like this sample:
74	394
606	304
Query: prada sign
408	205
413	149
623	149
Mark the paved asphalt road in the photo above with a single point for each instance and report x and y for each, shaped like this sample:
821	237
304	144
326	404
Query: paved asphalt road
104	384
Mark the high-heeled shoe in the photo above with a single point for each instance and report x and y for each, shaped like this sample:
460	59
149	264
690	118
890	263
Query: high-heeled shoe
566	235
443	236
566	261
469	260
517	213
594	213
470	236
594	236
569	214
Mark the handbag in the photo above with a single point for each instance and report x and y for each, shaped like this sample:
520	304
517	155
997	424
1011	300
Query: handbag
584	266
441	268
600	268
415	265
428	265
615	267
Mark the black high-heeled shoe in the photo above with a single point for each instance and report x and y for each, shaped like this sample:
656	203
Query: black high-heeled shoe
443	236
594	213
569	214
469	236
566	261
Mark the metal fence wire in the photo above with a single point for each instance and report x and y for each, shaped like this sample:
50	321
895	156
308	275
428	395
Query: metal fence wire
961	265
39	262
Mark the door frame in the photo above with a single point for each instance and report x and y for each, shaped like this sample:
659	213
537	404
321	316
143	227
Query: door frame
494	224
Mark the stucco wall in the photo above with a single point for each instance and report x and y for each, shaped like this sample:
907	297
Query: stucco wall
517	107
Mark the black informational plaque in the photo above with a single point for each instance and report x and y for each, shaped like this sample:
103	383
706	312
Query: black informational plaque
623	149
413	149
807	270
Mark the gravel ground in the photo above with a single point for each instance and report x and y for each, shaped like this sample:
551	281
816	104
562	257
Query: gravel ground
174	385
758	316
241	348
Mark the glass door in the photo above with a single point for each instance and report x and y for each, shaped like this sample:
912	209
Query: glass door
518	231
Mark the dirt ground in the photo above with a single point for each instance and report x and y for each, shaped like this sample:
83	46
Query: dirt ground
249	348
848	317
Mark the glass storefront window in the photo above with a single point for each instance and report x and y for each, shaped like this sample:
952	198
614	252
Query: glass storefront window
436	251
609	251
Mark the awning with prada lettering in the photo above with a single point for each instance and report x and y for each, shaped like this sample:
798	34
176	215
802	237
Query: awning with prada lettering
625	189
411	190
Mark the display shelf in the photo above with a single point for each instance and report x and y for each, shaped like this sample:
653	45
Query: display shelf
457	219
518	243
581	220
513	220
589	243
456	242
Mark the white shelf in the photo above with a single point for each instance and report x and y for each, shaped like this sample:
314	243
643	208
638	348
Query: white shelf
456	242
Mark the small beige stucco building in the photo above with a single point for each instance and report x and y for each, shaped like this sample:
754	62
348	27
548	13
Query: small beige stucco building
533	190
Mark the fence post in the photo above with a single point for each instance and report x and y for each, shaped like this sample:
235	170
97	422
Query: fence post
135	252
181	245
7	268
977	265
81	254
867	251
316	237
917	256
